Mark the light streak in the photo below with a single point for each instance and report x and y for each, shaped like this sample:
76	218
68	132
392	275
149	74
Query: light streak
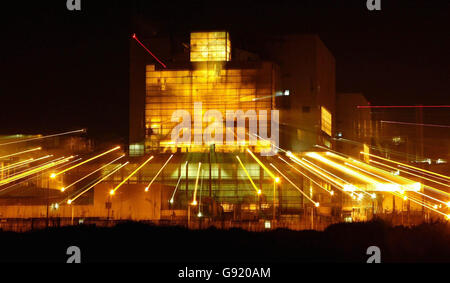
117	168
138	41
395	187
258	191
54	175
311	179
17	164
157	174
320	168
200	198
28	169
113	191
269	141
436	190
426	174
409	166
315	171
430	197
90	174
279	93
409	173
401	194
45	137
22	152
342	168
415	124
30	172
176	187
275	178
295	186
26	180
427	206
346	186
194	201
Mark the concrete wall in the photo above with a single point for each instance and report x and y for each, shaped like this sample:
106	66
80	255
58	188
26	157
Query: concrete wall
308	72
130	202
354	124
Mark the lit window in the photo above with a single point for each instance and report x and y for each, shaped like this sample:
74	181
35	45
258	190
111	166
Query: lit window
326	121
210	46
136	149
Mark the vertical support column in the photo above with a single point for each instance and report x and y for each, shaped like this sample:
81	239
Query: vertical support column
280	199
219	173
210	178
187	183
235	176
274	199
393	205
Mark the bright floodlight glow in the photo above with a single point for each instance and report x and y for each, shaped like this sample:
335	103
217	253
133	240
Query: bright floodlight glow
53	175
277	180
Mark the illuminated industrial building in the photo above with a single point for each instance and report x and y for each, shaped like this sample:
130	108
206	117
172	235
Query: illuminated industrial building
308	185
221	78
209	78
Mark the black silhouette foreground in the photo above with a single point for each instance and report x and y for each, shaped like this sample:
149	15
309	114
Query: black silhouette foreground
138	242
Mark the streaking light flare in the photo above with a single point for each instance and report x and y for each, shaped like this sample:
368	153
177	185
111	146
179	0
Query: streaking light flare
117	168
157	174
54	175
90	174
45	137
21	152
194	200
258	191
113	191
295	186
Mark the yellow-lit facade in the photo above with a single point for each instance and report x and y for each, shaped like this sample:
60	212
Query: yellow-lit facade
217	85
326	119
210	46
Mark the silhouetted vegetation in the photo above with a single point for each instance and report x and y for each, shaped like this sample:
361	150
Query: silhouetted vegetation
134	241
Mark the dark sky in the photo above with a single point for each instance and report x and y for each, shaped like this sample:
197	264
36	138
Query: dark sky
64	69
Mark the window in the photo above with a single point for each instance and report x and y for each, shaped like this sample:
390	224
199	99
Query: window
136	149
326	121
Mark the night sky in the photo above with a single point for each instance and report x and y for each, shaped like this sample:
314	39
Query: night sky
63	70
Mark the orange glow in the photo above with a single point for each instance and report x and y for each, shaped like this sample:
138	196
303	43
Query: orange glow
129	176
54	175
